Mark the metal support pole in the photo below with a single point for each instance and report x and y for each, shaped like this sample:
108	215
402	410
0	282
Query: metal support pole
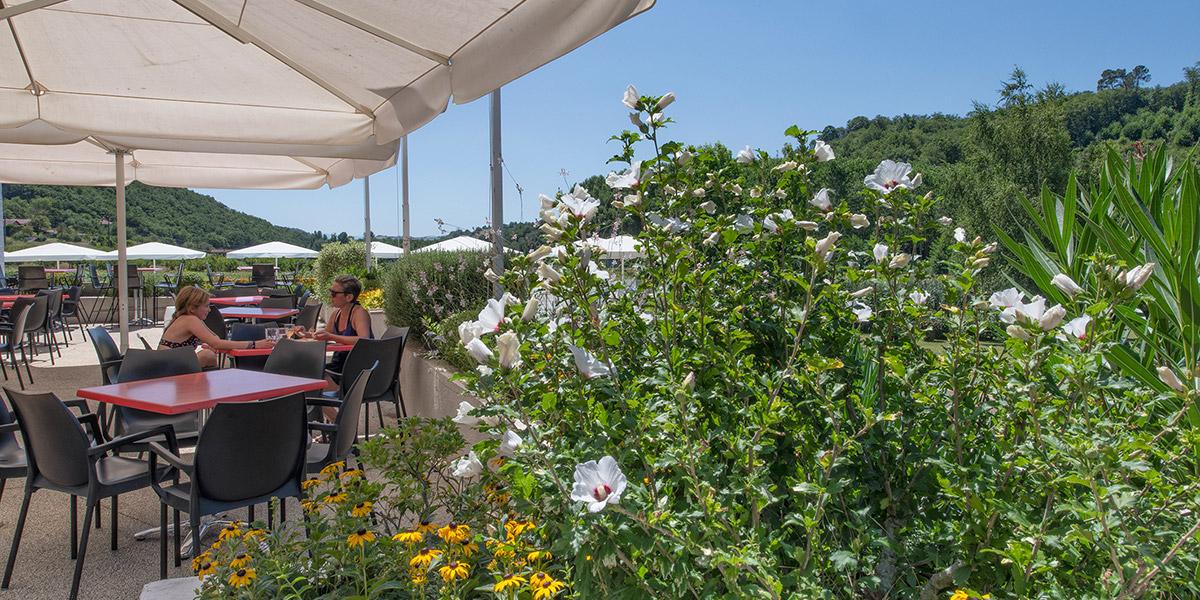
497	193
122	262
403	190
367	218
3	233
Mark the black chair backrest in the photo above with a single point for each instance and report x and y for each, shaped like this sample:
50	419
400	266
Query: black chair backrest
303	299
308	316
278	302
71	302
35	320
54	302
78	279
133	276
393	331
263	274
247	332
227	293
297	358
31	277
8	439
108	352
19	314
149	364
212	280
348	413
216	322
246	290
55	443
249	449
366	352
94	277
298	292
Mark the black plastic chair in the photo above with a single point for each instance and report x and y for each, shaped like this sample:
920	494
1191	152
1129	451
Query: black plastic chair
53	316
12	456
297	358
215	280
139	365
32	278
15	338
387	353
248	453
276	302
110	364
216	322
61	457
102	290
263	275
340	435
309	313
72	307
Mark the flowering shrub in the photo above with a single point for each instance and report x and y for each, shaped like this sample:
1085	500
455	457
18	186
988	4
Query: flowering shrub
389	538
371	299
763	415
424	288
338	258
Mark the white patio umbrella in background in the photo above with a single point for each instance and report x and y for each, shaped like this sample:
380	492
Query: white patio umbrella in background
305	78
275	250
55	251
383	250
154	251
458	244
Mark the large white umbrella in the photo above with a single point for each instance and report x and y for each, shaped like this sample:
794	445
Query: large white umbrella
306	78
55	251
382	250
157	251
618	247
462	243
273	250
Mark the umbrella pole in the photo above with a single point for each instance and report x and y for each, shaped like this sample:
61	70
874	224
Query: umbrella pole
497	193
367	219
3	233
403	190
122	261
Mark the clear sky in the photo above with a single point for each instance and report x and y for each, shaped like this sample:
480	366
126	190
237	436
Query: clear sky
743	70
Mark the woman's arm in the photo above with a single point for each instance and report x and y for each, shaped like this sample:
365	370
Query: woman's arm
197	328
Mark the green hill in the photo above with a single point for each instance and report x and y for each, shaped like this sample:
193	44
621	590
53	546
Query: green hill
85	215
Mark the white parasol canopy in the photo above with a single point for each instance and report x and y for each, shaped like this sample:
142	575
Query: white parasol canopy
462	243
617	247
54	252
156	251
295	78
273	250
382	250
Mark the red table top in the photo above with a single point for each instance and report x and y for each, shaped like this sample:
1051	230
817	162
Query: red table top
198	391
249	312
11	297
267	351
236	301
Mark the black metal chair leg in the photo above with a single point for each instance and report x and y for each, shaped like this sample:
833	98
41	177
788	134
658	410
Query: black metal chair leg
16	366
162	540
250	514
282	511
379	411
28	372
74	527
194	522
3	482
178	538
270	515
113	533
83	543
16	541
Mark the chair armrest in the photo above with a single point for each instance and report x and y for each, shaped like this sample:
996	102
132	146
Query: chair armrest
92	420
319	426
10	428
116	362
157	451
330	402
125	440
79	403
332	372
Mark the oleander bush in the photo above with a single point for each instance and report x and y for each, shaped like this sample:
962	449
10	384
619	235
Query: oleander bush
424	288
340	258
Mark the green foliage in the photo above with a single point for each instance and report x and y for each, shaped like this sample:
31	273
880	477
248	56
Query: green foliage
336	259
423	288
446	341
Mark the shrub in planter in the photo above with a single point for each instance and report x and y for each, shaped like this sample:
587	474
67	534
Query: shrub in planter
446	344
762	417
424	288
338	258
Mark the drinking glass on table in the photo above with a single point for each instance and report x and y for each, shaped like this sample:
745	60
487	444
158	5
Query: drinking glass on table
274	333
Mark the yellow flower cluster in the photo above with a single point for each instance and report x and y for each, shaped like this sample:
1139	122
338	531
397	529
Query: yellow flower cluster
371	299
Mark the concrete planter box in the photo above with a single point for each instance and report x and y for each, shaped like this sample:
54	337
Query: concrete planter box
428	390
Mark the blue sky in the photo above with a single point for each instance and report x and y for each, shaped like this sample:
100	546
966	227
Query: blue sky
743	70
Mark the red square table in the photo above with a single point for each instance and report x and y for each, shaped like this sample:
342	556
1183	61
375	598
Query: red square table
250	312
237	300
267	351
200	391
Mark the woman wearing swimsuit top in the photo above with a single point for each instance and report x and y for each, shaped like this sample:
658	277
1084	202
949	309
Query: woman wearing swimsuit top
349	323
187	328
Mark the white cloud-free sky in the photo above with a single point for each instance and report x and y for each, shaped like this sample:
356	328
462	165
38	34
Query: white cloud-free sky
743	72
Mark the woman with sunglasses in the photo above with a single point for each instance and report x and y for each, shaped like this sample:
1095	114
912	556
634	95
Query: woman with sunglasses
349	323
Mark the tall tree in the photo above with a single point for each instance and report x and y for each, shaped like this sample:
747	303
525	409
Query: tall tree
1110	79
1136	77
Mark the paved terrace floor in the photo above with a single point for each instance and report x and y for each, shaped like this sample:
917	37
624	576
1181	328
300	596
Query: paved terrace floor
43	570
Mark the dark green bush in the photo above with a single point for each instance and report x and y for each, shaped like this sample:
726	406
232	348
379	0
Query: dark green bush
446	343
340	259
425	288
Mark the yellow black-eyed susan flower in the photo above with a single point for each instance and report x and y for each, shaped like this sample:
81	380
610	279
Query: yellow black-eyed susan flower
360	537
509	582
452	571
254	534
427	527
229	531
242	577
336	497
409	537
309	483
240	560
469	548
309	506
423	558
549	590
201	559
332	469
516	527
361	509
206	568
539	555
419	577
352	474
539	579
454	533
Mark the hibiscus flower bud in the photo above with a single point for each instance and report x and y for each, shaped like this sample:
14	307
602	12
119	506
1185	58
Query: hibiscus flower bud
665	101
551	232
880	251
1018	332
1138	276
547	274
712	238
699	192
900	261
633	200
991	248
786	166
709	206
1052	317
823	151
630	100
825	244
1167	375
807	225
510	349
689	382
542	252
980	263
745	156
861	292
479	351
1063	282
859	220
491	275
531	309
